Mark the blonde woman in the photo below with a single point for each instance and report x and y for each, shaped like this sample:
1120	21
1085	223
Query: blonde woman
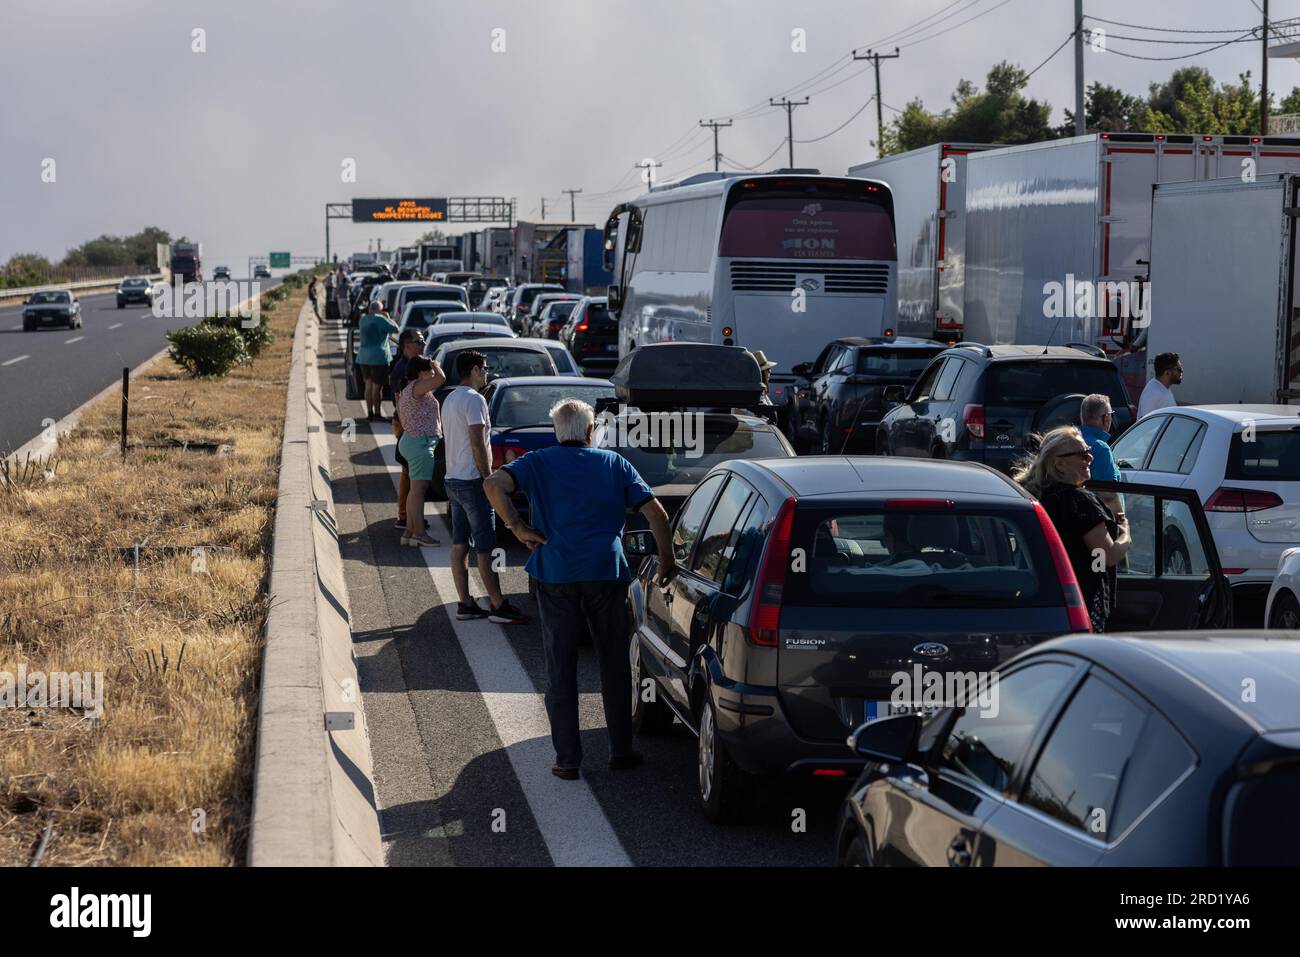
1093	539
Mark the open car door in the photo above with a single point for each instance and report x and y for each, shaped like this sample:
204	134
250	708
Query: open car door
1171	578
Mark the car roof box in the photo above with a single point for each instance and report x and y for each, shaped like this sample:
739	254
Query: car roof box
687	374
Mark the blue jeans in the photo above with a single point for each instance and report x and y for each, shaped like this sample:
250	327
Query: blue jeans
604	606
472	519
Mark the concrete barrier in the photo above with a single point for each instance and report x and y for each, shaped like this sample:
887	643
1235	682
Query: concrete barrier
313	793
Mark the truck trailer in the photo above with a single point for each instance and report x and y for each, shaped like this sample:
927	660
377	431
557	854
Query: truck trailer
586	272
929	187
1223	288
1058	234
185	261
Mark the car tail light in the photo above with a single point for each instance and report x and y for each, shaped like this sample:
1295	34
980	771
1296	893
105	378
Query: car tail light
581	327
765	619
829	773
973	418
1234	571
1075	612
1241	500
504	454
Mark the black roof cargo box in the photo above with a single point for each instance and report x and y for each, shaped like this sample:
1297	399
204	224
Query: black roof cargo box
687	374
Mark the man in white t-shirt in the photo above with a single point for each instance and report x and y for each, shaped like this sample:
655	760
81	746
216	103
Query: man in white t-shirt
465	428
1157	394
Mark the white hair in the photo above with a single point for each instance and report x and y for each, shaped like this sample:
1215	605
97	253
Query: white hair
572	418
1094	409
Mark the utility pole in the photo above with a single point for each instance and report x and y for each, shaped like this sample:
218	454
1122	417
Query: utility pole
1080	119
789	105
717	156
875	58
648	165
573	215
1263	73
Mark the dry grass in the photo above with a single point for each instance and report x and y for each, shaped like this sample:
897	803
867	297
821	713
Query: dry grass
179	643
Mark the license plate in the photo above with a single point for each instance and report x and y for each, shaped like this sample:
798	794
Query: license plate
611	347
883	709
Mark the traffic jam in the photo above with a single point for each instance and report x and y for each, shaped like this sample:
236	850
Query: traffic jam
1005	557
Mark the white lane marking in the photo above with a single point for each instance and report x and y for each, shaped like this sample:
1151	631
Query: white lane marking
116	325
68	342
571	820
16	328
21	358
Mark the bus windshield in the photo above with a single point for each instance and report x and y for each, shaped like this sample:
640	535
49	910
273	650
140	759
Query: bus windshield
807	226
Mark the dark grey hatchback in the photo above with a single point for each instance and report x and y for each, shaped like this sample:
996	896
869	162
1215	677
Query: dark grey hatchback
805	587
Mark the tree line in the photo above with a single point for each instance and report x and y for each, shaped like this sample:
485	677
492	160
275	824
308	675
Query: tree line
130	254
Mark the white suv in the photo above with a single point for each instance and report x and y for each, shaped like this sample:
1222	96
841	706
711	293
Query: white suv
1244	463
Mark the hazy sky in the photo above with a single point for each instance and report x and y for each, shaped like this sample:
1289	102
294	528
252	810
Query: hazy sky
242	145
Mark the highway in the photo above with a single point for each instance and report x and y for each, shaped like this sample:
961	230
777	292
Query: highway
46	373
458	730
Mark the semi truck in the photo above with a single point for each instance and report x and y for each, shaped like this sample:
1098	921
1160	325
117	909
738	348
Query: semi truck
929	187
1058	234
586	272
1223	288
184	260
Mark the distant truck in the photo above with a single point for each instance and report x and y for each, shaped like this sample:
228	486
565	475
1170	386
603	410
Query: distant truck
1058	234
929	187
436	251
184	259
408	257
586	271
1223	288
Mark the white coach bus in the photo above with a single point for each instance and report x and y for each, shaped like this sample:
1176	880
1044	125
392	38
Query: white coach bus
718	257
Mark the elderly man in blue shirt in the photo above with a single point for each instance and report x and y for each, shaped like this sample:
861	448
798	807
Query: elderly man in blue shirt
579	498
1095	420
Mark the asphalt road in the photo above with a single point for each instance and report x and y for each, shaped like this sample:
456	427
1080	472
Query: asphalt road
46	373
461	747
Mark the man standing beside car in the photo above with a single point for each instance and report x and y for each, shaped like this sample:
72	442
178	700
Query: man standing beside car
465	428
1095	417
1157	394
579	497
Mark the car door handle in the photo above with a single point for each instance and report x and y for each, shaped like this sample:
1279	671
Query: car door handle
958	853
668	597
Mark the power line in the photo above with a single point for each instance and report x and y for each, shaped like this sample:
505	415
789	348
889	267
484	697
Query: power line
901	34
855	115
1138	26
956	25
789	106
761	162
1045	62
1119	36
1186	56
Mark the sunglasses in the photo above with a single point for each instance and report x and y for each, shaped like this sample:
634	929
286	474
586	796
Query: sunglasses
1070	455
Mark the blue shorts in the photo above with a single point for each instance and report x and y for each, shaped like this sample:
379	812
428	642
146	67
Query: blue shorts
472	519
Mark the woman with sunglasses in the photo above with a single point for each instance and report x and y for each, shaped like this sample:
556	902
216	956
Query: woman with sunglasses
1095	541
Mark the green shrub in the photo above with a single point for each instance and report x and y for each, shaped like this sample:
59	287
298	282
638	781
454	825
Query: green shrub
207	349
257	336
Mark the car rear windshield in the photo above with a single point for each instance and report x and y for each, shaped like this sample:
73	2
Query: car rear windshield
597	313
503	363
527	296
1272	456
531	404
561	309
667	458
427	295
1261	823
907	363
922	558
425	316
1035	381
435	342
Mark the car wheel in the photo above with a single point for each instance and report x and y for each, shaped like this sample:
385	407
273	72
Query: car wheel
1285	612
121	304
725	789
1177	560
28	326
648	717
856	855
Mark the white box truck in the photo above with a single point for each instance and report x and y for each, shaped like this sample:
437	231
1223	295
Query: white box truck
929	187
1058	234
1223	291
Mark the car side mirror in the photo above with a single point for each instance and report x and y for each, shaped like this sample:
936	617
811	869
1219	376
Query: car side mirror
614	294
892	739
803	369
895	393
639	544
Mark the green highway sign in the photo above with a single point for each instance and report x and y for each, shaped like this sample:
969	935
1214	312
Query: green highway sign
279	260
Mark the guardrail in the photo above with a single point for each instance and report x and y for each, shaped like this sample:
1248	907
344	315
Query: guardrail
24	291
